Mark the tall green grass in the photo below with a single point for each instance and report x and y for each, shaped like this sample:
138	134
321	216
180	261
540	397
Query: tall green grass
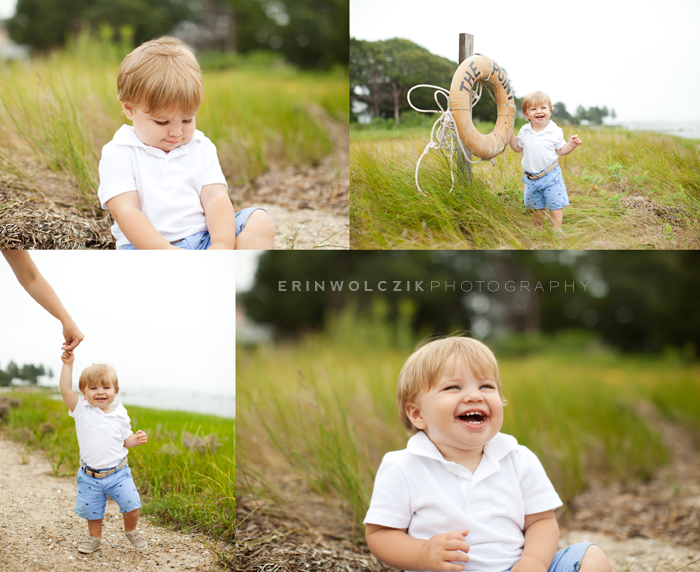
63	108
603	178
324	409
185	472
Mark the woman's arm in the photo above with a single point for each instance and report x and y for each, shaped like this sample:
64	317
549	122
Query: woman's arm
37	287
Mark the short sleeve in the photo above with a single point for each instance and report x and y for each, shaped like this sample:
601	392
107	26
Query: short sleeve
116	173
391	499
210	161
537	490
559	141
78	409
125	424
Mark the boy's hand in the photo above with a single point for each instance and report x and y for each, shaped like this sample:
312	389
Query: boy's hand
442	549
575	141
68	357
141	437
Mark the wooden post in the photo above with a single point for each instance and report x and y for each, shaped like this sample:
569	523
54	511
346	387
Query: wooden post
466	50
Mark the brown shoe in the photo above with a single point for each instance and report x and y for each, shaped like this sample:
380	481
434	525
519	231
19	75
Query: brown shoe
90	545
137	539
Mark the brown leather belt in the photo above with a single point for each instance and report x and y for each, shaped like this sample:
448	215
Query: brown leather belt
542	174
105	473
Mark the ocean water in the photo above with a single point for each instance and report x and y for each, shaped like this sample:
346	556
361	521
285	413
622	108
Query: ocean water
223	405
685	129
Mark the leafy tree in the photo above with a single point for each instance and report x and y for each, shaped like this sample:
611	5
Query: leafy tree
560	114
381	73
638	301
31	373
5	379
45	24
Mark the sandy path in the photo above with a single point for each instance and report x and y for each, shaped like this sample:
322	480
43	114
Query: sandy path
40	532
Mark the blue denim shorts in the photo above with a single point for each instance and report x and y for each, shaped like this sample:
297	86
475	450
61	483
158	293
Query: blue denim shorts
202	240
569	559
548	191
92	495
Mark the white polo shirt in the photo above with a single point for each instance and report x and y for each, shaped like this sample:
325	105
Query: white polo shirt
540	148
101	435
168	184
418	490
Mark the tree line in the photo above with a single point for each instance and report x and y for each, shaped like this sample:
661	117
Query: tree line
28	372
382	73
635	301
309	33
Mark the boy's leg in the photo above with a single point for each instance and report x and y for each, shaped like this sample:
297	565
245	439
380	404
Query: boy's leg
131	519
258	233
539	215
595	560
95	528
557	216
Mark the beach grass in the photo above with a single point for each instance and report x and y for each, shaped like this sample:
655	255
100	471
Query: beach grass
185	473
628	190
323	409
63	108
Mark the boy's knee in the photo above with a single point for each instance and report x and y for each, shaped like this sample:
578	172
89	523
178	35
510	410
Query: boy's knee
260	224
595	560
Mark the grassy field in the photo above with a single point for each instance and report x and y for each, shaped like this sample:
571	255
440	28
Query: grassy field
628	190
61	109
323	409
185	473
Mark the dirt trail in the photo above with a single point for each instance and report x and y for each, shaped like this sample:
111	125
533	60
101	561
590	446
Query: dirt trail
40	532
648	527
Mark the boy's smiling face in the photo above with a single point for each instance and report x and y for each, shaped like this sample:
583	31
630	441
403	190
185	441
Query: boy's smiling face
165	131
460	413
538	114
100	395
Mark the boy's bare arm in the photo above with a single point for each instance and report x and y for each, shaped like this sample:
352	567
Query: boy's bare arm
514	144
574	142
136	439
65	384
541	538
126	210
220	216
37	287
396	548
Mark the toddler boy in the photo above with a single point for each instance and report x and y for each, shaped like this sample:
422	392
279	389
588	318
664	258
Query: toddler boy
161	179
104	434
462	495
543	142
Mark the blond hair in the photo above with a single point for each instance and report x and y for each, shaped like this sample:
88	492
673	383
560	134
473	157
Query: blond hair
536	98
98	373
160	76
424	366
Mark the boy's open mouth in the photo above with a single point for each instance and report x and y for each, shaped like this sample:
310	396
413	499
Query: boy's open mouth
473	417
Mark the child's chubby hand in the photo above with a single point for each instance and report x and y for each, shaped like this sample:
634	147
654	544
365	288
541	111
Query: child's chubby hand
442	549
575	141
68	357
141	437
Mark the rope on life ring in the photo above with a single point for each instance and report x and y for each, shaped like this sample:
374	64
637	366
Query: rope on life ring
456	130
